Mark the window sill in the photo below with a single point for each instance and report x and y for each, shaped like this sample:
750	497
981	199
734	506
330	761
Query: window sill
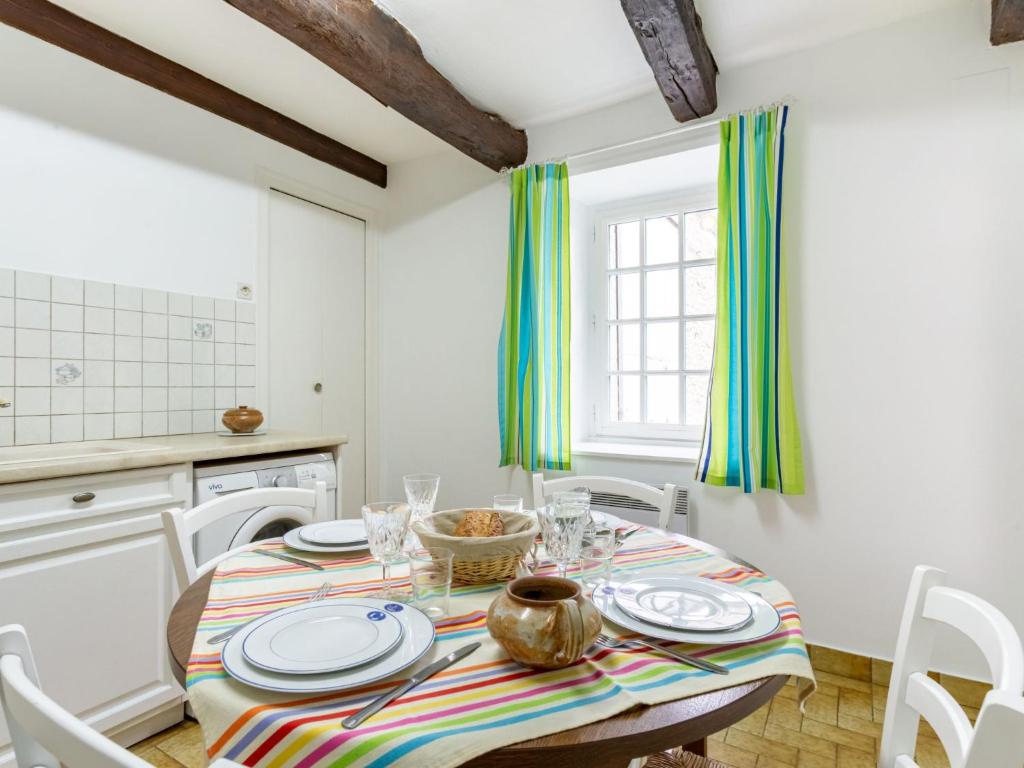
685	454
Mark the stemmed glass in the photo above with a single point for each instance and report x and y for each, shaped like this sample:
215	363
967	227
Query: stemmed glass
421	493
386	525
562	528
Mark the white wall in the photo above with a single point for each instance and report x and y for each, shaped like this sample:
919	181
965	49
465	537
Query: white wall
902	215
107	179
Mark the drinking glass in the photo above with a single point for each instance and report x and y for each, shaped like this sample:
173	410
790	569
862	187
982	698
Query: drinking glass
430	571
508	502
596	557
562	528
421	493
386	525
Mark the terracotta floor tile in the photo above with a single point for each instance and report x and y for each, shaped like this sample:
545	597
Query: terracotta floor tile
799	740
761	745
967	693
879	694
763	761
855	704
720	736
813	760
754	723
839	736
881	671
822	708
839	681
186	746
785	712
858	725
158	759
841	663
854	758
730	755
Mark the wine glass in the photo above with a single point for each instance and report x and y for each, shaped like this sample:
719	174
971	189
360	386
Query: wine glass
386	525
562	528
421	493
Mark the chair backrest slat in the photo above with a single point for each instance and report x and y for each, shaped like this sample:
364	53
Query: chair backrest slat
44	734
661	499
181	525
912	694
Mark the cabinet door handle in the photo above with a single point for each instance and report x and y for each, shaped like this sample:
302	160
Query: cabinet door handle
81	498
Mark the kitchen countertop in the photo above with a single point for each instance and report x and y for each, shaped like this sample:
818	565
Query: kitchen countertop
40	462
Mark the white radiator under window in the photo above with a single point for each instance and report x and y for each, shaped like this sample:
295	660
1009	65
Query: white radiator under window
637	511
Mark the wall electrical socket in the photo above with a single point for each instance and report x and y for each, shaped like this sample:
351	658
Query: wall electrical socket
245	291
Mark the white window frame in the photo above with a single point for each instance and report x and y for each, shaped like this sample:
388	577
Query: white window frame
602	428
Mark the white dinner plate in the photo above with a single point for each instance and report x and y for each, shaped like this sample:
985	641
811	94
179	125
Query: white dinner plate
321	637
599	518
334	533
295	541
254	433
418	636
765	620
684	602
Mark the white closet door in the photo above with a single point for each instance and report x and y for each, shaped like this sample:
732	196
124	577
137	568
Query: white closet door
316	299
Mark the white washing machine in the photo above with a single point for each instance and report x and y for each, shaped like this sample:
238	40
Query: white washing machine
286	471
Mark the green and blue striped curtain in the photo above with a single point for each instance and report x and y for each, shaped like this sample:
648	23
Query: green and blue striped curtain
751	435
533	352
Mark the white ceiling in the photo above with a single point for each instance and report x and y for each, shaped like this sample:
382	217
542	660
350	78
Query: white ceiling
536	61
659	175
531	61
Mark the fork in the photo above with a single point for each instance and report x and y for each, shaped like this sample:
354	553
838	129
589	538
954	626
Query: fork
693	661
320	594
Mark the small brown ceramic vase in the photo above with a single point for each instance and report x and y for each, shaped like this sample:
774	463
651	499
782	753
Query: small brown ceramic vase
242	419
543	621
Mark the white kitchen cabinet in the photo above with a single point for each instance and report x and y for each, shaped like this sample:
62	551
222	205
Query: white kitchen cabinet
92	583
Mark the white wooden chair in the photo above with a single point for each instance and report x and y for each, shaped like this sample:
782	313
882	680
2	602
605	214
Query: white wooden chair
182	524
663	500
998	738
44	734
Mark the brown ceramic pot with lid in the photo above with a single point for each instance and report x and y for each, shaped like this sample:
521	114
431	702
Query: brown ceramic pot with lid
543	621
242	419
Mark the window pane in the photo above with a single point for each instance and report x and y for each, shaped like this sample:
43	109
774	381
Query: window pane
663	399
696	399
701	235
700	290
662	292
624	347
663	346
624	296
700	341
624	245
662	240
624	398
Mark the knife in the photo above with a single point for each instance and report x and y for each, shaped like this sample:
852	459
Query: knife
426	673
290	559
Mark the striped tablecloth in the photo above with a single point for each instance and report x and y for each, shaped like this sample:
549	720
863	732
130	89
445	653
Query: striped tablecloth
484	702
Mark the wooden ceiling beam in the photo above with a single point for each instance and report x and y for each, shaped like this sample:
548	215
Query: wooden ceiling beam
671	37
362	43
1007	21
62	28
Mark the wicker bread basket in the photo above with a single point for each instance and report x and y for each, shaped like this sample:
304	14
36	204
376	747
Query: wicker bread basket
480	559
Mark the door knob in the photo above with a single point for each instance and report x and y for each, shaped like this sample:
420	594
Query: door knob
318	387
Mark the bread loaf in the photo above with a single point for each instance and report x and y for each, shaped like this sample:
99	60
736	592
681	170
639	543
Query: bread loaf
480	523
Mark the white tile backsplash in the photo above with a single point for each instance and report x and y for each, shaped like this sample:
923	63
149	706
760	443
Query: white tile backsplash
99	294
86	360
67	290
99	426
66	317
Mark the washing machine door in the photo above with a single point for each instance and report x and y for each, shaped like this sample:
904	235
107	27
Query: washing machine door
270	523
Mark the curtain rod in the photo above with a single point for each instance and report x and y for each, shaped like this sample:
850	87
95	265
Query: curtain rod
689	127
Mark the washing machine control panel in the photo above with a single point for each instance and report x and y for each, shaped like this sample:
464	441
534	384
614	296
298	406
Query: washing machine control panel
278	477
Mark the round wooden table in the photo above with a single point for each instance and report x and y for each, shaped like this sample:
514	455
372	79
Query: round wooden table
609	743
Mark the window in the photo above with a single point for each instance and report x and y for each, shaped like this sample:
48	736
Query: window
656	335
